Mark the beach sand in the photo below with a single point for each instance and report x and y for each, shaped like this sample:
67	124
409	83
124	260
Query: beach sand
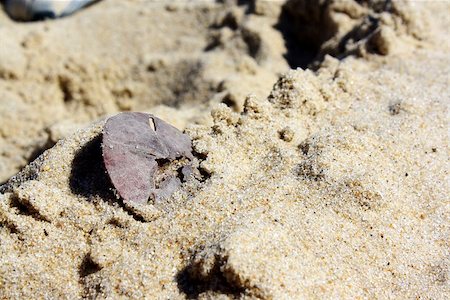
320	129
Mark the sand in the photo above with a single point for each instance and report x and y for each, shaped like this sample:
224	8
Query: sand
325	181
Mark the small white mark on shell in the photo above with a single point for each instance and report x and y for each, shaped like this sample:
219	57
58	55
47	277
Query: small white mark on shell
151	122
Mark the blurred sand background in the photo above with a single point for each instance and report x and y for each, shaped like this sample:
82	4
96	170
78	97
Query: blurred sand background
328	181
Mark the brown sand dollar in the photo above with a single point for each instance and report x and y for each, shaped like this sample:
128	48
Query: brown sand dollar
133	144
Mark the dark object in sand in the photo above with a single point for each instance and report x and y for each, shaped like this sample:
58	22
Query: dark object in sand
144	156
34	10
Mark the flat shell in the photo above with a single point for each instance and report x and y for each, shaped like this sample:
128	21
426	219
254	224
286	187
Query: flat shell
132	143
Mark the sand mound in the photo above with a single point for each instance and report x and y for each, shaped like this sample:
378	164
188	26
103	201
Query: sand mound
331	185
175	60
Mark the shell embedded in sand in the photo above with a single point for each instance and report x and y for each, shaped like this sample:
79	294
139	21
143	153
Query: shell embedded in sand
133	143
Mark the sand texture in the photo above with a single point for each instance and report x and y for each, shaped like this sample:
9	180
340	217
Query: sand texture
320	132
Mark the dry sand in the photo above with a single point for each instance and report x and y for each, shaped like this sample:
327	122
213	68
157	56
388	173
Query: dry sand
329	182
